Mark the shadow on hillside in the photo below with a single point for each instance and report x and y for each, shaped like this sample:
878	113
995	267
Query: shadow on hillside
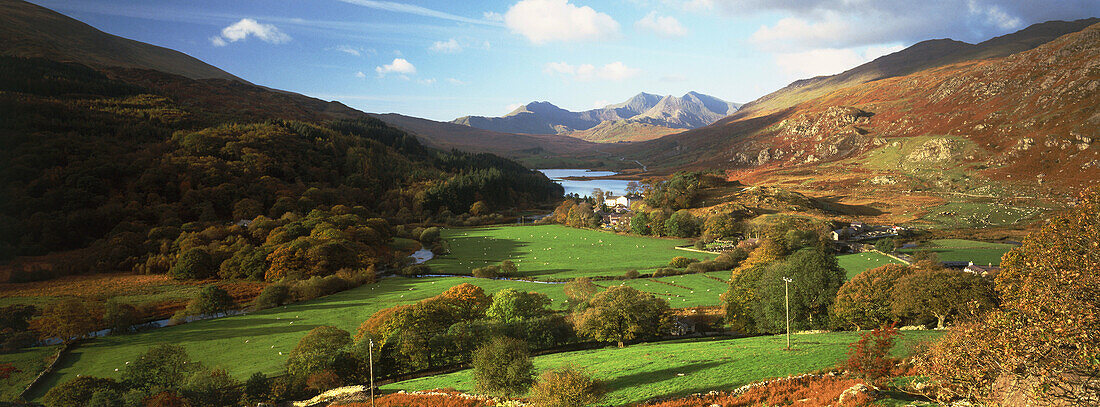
832	204
644	378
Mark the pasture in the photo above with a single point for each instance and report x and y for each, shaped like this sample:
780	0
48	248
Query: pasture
676	368
29	362
555	252
261	341
982	253
856	263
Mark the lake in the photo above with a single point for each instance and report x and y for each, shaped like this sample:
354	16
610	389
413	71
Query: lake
584	188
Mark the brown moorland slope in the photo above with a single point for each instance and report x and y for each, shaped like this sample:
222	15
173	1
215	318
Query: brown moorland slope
1032	119
920	56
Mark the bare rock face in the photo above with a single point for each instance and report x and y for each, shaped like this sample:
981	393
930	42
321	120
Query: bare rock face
936	150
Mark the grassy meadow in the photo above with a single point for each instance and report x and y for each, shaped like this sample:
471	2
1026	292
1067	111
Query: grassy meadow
676	368
555	252
856	263
982	253
29	362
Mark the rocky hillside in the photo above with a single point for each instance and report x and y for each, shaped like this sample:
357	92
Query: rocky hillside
1030	120
641	117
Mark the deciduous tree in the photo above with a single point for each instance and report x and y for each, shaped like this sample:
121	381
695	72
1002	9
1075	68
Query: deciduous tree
941	293
621	314
68	319
865	301
503	366
510	305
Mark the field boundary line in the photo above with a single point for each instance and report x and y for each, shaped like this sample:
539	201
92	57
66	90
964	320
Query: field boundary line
892	256
45	372
691	249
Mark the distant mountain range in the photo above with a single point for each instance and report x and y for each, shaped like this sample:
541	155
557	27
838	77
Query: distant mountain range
643	116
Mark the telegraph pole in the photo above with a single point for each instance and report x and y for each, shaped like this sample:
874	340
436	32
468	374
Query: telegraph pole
370	351
787	303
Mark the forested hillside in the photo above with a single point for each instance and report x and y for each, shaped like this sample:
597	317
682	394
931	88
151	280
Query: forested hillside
133	167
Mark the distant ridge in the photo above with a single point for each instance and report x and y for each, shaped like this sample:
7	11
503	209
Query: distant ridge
653	113
28	30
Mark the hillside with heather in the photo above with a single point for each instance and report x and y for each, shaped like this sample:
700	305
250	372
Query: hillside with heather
1023	125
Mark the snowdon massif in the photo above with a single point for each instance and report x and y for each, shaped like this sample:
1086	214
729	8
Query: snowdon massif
642	117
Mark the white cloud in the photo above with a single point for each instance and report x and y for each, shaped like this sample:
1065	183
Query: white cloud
397	7
454	81
814	24
399	65
543	21
448	47
492	16
828	61
615	71
429	81
360	75
666	26
789	33
513	106
357	51
248	27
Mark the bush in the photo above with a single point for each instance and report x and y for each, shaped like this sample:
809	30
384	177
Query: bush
429	235
870	356
885	245
681	262
161	367
78	391
256	388
323	380
272	296
317	286
415	270
566	387
194	263
631	274
212	388
487	272
120	317
319	350
503	367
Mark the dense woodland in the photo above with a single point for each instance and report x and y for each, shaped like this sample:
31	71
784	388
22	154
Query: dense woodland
137	179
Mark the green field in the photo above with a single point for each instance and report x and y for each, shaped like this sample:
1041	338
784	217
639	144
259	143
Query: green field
556	252
277	330
30	362
856	263
676	368
979	214
700	290
983	253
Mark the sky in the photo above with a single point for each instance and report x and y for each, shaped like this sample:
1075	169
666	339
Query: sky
442	59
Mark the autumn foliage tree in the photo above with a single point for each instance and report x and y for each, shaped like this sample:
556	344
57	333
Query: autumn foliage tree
622	314
68	319
865	300
1043	344
941	293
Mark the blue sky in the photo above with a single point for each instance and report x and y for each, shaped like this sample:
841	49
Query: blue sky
445	59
